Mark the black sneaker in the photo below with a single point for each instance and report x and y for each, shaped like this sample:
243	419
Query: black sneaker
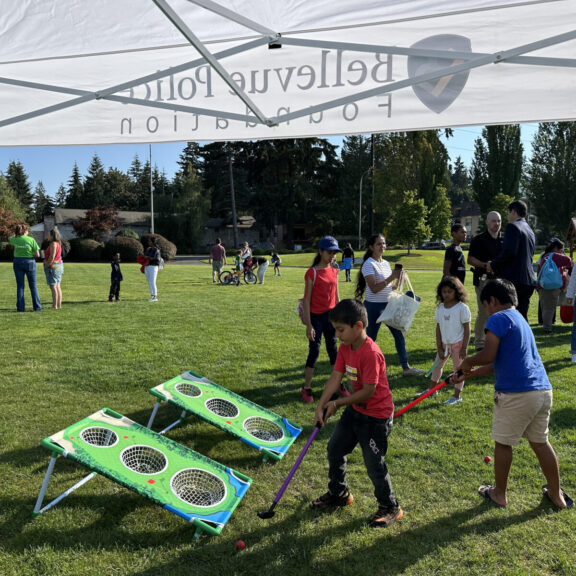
329	500
385	517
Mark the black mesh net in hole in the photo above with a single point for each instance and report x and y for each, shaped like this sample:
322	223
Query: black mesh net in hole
263	429
187	389
222	407
198	487
97	436
144	459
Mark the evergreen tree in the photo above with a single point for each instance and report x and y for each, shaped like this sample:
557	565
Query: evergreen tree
43	204
497	165
356	165
119	191
18	181
61	196
75	192
551	176
94	185
460	190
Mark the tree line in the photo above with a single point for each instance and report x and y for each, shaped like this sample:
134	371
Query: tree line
401	183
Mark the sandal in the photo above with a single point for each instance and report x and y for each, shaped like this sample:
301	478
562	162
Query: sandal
484	491
567	499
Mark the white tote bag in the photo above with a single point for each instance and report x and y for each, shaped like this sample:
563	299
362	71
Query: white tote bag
401	308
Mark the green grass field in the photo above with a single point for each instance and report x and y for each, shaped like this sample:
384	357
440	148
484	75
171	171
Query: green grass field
60	366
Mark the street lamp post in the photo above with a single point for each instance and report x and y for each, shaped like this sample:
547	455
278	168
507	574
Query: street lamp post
360	209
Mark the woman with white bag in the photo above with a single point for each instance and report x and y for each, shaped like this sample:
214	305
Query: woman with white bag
377	279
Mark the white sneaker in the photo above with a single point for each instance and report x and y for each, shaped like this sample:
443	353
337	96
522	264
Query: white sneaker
573	358
452	400
412	372
152	299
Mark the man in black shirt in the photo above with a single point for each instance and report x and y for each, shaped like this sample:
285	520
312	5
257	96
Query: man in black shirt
454	263
484	248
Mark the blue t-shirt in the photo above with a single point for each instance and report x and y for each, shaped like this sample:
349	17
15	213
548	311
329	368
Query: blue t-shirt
517	366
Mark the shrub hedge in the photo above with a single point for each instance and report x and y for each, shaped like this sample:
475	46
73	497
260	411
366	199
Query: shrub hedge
128	247
167	248
85	250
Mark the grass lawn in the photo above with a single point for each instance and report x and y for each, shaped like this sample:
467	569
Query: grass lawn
60	366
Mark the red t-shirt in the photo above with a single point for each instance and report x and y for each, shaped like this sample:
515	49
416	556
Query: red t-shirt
58	257
367	366
323	296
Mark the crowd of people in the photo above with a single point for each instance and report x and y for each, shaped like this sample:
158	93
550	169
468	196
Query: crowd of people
504	280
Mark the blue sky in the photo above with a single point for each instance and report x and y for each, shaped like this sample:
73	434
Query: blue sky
53	165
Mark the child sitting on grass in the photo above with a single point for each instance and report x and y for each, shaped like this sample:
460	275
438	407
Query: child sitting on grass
367	419
523	393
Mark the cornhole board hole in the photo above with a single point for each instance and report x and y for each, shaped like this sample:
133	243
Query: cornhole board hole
266	431
177	478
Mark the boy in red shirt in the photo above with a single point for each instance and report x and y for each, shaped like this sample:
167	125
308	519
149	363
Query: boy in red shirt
367	419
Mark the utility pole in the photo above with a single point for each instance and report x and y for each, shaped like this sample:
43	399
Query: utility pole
151	195
233	198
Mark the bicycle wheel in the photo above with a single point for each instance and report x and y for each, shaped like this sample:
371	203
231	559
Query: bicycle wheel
250	277
226	277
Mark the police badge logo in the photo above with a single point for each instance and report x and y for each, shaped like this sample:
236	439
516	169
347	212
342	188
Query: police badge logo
440	93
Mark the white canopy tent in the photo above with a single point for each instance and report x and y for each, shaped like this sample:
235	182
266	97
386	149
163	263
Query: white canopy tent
135	71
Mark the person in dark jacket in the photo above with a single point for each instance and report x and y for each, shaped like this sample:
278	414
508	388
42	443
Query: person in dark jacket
115	279
514	262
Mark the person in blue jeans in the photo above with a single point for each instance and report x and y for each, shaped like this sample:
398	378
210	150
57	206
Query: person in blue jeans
375	283
25	250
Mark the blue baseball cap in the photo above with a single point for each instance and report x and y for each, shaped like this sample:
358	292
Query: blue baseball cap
329	243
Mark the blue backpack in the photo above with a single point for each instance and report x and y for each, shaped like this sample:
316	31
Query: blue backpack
550	277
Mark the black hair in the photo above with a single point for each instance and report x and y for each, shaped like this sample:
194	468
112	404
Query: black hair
361	281
502	290
554	243
349	311
456	285
519	207
456	227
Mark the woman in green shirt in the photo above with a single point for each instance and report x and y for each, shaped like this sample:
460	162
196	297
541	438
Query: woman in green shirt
25	250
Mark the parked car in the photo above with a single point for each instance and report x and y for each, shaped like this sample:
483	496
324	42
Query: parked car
439	245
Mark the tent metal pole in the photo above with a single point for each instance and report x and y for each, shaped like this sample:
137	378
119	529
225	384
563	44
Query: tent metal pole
195	41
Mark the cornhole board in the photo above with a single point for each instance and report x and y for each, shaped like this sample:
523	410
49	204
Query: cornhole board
262	429
188	484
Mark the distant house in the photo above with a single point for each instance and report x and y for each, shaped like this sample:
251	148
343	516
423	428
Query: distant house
64	217
224	229
469	215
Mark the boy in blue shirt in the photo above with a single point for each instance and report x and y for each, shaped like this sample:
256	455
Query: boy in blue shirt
522	392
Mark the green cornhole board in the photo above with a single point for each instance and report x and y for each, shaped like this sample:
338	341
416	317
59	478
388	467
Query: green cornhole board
177	478
262	429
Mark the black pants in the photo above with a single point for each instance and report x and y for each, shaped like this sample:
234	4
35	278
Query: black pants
524	293
114	290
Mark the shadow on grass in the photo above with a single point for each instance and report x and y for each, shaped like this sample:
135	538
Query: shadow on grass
292	549
563	418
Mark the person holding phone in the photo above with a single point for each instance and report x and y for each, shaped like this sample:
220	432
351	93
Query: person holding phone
376	281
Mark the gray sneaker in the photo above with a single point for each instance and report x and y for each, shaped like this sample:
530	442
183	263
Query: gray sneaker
412	372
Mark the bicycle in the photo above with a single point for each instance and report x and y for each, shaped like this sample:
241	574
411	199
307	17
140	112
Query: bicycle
233	276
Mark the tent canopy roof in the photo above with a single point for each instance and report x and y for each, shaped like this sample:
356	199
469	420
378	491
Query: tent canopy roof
174	70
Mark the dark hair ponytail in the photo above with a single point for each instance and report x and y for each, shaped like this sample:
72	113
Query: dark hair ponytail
361	281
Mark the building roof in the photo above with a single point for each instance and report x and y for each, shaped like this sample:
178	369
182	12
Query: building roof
68	215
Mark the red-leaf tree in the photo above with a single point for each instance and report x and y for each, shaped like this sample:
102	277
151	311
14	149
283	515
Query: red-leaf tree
97	223
7	223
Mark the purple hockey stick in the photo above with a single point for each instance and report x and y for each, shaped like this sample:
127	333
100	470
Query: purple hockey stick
270	512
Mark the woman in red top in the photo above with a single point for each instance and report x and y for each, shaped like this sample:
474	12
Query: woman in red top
549	298
320	296
53	267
